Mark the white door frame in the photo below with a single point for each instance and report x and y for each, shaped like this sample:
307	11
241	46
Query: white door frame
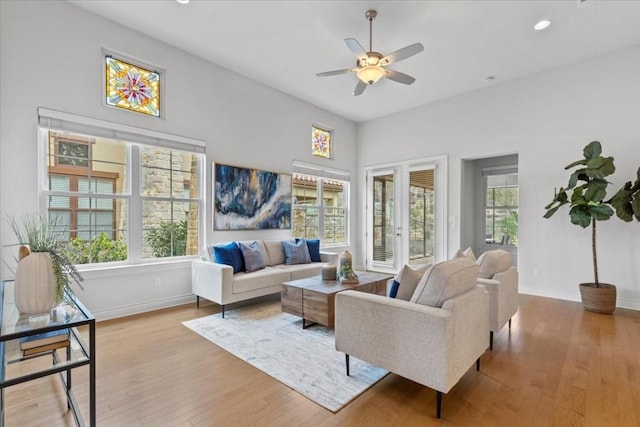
401	186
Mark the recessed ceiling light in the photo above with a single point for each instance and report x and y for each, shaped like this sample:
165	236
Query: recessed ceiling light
542	24
183	1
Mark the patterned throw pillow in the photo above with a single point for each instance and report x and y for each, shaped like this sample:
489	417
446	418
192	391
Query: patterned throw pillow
253	258
229	254
296	252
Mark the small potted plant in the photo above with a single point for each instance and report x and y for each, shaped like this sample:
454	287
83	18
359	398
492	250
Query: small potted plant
586	195
44	267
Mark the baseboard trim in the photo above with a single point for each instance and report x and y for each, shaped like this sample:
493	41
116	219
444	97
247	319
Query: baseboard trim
128	310
575	296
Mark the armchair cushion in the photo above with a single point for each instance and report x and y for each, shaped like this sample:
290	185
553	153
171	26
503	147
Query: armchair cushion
406	281
492	262
445	280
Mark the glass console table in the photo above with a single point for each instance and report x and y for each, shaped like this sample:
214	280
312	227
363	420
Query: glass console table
70	314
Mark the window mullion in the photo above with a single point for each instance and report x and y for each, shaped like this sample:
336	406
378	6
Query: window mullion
135	206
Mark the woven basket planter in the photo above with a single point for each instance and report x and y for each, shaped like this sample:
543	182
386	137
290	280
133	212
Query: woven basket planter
598	299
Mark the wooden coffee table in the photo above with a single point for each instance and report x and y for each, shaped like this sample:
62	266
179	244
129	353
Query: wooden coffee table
313	299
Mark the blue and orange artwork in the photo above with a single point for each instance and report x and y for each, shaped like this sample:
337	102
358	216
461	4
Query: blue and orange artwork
251	199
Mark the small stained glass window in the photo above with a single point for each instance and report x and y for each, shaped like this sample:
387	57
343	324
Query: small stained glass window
132	87
321	140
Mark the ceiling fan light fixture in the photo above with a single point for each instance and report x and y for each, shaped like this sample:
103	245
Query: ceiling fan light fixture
371	74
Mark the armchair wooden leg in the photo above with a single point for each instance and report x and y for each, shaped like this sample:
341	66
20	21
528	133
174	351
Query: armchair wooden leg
478	365
346	359
223	311
491	340
509	323
438	403
197	301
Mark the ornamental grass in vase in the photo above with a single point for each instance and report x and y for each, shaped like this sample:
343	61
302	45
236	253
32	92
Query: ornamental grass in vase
586	195
44	267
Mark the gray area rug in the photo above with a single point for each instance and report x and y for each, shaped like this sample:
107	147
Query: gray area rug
304	359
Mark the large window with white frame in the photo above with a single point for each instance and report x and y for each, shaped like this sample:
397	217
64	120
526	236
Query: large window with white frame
501	205
320	209
117	200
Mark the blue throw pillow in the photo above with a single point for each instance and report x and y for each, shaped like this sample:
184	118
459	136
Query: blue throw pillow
394	289
229	254
253	258
295	252
314	249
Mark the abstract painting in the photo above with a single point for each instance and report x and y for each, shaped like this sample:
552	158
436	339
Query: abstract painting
250	199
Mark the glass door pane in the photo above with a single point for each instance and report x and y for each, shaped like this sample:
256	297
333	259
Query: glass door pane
421	219
383	219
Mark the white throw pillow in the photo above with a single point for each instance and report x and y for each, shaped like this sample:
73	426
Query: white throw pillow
408	278
492	262
445	280
467	253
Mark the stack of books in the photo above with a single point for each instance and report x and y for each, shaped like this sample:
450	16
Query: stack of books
47	341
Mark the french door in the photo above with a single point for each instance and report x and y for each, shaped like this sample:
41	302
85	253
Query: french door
405	215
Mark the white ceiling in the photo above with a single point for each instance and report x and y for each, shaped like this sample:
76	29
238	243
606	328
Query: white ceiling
283	44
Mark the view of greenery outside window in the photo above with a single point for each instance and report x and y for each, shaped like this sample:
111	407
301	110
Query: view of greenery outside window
169	202
383	218
501	218
421	216
319	209
90	199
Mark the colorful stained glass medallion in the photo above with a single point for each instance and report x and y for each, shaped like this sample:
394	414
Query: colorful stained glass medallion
320	142
132	87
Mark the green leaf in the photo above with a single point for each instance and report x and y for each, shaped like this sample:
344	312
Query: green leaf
576	163
577	198
636	206
580	216
595	191
573	179
594	149
608	167
601	212
551	211
596	162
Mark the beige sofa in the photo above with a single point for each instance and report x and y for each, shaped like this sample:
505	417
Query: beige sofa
432	339
217	282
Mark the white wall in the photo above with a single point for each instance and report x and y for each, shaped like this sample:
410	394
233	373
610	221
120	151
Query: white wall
51	57
547	119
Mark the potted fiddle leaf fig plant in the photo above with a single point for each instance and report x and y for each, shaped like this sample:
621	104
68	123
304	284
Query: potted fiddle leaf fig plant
586	195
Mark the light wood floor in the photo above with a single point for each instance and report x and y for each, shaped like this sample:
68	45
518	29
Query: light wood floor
559	365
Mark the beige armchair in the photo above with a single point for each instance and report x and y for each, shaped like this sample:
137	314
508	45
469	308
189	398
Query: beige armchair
432	339
500	279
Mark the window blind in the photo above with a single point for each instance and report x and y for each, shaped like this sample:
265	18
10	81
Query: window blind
59	120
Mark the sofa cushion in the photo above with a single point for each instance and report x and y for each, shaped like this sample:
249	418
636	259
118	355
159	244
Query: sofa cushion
445	280
275	253
406	281
492	262
253	259
296	252
301	271
229	254
265	278
467	253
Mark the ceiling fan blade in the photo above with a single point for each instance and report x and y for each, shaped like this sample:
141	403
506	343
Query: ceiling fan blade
401	54
336	72
356	48
360	87
399	77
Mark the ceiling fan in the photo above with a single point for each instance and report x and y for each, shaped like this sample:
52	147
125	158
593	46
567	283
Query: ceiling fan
370	66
